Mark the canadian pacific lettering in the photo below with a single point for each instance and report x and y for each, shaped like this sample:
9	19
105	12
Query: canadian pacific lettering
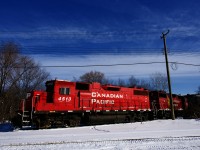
107	95
97	98
102	101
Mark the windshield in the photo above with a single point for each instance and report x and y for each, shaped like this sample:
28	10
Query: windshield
50	87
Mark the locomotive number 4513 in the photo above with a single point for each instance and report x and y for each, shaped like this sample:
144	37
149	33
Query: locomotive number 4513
66	99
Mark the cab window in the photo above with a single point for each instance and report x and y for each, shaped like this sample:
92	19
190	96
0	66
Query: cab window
64	91
50	87
138	92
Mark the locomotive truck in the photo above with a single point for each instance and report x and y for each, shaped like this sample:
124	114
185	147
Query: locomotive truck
71	104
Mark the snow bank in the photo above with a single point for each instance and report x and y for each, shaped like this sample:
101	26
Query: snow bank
117	136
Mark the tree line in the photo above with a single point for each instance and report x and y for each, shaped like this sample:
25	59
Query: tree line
156	81
20	74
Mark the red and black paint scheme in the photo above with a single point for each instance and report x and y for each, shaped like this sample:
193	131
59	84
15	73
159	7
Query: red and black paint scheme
66	103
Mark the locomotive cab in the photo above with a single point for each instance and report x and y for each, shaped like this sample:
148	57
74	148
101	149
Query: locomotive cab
59	91
60	95
160	104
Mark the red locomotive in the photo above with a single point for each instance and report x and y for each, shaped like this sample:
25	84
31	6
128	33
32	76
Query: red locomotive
160	104
67	103
180	104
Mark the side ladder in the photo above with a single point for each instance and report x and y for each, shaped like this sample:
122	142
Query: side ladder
26	116
155	111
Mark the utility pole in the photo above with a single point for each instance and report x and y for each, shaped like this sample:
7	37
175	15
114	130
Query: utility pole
168	75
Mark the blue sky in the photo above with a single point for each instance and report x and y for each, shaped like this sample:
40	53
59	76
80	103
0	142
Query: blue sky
103	32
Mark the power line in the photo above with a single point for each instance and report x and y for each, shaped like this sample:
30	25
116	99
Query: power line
111	65
100	47
89	34
194	65
79	32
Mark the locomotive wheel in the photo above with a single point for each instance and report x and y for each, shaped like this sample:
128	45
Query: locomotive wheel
37	124
133	118
145	117
117	120
127	119
87	120
42	122
73	123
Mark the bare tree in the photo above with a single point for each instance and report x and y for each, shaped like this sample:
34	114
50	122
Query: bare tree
8	61
158	81
121	82
109	81
18	74
198	91
132	81
145	84
93	76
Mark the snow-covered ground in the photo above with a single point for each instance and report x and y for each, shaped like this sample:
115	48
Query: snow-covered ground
158	134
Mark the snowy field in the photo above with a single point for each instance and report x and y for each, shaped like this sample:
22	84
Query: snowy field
152	135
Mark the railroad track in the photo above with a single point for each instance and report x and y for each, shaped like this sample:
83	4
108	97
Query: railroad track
188	143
